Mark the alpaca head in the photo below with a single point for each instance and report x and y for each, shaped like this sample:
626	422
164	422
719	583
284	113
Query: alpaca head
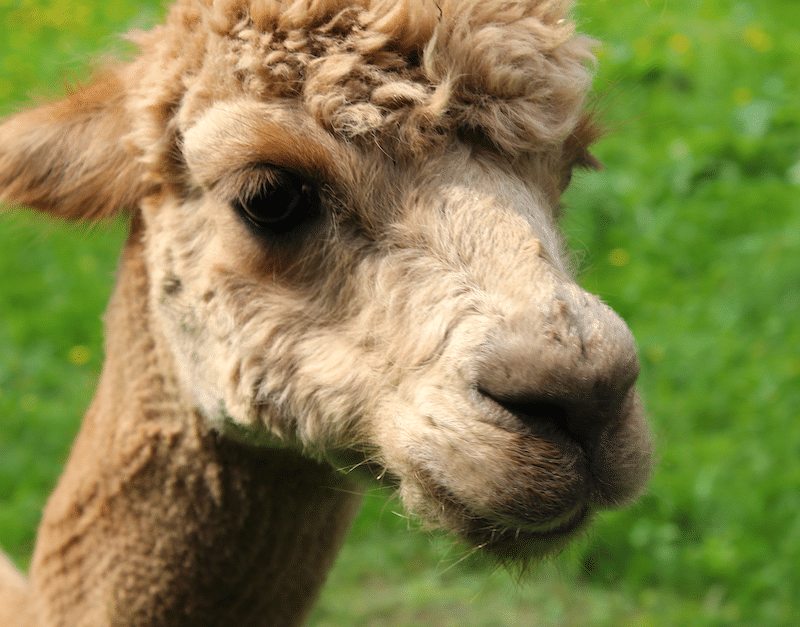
349	215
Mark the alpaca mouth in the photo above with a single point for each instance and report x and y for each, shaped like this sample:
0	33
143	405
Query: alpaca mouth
516	521
588	441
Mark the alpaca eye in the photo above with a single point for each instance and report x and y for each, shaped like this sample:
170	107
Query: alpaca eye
280	204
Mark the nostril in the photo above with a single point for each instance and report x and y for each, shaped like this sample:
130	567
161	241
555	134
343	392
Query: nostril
582	421
536	410
532	411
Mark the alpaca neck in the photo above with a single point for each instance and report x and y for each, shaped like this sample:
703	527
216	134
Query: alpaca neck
157	520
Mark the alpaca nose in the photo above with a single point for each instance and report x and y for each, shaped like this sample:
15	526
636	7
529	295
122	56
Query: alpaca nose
572	364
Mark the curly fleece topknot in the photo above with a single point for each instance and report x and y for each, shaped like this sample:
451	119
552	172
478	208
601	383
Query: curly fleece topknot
398	73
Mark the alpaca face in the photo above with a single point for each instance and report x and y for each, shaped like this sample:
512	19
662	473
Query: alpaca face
349	217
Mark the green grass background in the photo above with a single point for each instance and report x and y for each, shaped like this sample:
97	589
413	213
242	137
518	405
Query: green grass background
692	233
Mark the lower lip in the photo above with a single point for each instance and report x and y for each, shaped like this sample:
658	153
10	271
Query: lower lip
569	525
541	541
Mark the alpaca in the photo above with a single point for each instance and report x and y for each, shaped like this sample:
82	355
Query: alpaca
343	266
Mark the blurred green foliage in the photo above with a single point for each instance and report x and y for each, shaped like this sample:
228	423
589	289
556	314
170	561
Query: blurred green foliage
691	232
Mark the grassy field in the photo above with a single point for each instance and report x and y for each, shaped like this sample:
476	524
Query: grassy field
692	233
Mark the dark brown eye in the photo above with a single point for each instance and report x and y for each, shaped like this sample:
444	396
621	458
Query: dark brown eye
279	203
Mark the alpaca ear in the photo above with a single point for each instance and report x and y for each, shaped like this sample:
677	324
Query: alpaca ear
68	158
